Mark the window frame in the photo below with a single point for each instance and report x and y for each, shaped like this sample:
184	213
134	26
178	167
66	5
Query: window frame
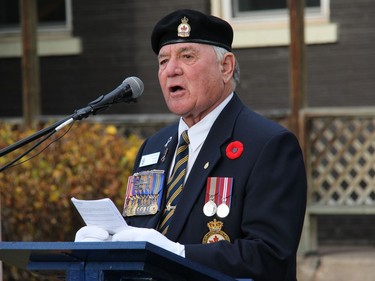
48	27
273	30
280	15
53	40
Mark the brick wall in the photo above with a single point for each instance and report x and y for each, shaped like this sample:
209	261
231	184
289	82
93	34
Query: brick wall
115	37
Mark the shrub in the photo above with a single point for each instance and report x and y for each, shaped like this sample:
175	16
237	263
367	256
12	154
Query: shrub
90	161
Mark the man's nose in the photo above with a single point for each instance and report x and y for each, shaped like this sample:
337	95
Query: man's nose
173	67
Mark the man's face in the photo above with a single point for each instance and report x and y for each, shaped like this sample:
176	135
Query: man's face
192	79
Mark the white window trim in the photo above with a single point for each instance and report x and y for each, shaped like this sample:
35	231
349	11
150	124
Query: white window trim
52	41
267	32
48	45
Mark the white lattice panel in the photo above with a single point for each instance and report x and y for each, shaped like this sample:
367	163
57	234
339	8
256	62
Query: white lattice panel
342	158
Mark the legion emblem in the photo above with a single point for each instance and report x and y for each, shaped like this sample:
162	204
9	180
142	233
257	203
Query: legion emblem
183	30
215	234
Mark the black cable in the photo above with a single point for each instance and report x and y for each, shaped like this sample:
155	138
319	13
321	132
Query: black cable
12	163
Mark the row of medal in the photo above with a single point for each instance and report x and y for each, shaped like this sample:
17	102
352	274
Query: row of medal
218	196
144	193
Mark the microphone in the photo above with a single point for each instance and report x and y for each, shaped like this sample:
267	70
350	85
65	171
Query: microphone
129	90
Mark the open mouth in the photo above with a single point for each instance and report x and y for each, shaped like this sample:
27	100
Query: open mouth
175	89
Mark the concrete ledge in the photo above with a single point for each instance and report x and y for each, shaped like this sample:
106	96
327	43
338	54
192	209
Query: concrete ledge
47	46
339	263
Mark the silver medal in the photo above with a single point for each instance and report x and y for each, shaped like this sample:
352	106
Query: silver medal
222	210
209	209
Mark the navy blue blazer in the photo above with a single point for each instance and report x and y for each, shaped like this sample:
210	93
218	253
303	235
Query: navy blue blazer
268	197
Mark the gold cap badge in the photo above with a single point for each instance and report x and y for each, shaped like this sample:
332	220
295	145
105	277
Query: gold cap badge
183	29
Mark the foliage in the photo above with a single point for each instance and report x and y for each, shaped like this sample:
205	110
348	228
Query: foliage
90	161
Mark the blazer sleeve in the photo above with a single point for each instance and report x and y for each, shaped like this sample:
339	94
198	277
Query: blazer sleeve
272	219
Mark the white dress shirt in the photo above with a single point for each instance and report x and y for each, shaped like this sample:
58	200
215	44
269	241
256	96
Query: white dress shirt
198	133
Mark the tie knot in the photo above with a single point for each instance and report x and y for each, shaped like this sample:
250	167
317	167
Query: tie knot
184	139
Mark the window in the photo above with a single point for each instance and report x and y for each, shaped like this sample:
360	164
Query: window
275	9
52	15
260	23
54	28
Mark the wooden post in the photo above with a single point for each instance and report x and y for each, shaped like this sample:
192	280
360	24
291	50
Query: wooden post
30	62
30	68
297	62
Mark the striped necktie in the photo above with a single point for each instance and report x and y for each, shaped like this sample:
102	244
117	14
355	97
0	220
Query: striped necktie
175	182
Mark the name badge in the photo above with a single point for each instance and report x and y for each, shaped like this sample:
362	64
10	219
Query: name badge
149	159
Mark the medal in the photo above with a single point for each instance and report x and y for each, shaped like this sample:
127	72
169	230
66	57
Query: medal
222	210
144	193
225	195
218	196
215	233
152	209
210	207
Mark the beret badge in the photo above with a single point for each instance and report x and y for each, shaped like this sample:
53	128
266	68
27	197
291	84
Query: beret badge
183	30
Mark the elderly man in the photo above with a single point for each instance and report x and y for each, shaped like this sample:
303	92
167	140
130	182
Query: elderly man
232	194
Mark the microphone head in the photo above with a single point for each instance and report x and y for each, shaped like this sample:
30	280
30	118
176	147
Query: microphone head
136	85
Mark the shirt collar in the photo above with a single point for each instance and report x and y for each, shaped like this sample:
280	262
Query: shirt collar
198	132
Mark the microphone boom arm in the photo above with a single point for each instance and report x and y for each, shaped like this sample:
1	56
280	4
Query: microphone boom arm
128	91
33	137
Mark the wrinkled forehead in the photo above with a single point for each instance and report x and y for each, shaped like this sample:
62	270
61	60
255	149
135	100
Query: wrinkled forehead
178	48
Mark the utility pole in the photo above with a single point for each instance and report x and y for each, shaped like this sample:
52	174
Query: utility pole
297	62
30	61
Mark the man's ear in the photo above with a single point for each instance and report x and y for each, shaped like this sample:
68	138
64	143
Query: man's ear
227	66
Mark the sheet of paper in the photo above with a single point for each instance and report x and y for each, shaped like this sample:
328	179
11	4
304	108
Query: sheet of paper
102	213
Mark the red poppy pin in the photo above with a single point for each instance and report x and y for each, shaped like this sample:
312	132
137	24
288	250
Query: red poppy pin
234	150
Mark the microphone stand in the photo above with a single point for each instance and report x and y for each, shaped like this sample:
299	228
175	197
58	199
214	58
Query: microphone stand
33	137
49	131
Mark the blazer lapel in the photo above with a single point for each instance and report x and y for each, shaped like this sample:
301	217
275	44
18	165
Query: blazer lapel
164	163
208	157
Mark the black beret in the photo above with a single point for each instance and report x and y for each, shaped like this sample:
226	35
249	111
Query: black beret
191	26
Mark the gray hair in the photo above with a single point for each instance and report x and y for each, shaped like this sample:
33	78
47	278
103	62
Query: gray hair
220	52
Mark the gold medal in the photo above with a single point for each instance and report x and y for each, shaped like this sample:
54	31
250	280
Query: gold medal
215	234
153	209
